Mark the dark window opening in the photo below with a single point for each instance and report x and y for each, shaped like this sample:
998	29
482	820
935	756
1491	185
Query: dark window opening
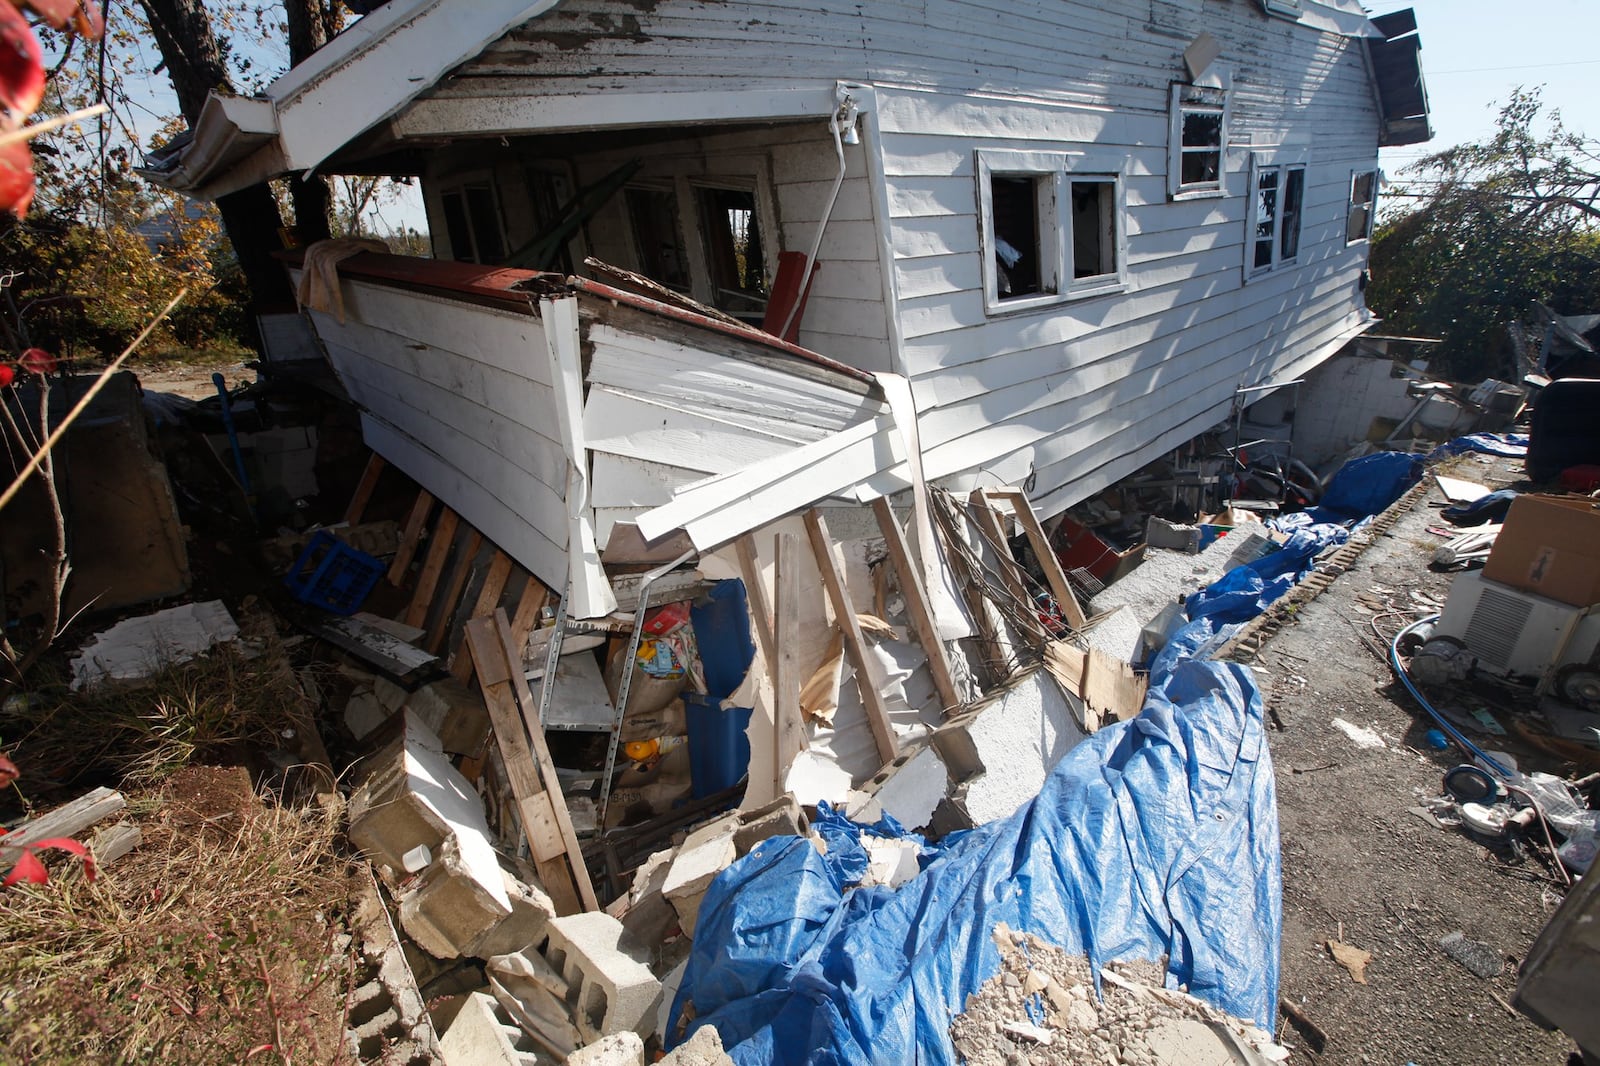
1094	230
1294	190
658	237
472	221
734	251
1017	248
1358	224
1201	137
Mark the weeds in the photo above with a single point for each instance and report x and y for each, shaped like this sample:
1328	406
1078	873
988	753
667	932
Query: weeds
222	949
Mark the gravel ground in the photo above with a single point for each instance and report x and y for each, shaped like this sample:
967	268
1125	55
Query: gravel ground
1358	866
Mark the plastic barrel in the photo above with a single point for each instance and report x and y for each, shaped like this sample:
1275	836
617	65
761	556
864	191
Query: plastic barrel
719	751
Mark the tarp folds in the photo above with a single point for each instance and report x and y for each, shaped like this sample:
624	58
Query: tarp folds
1156	836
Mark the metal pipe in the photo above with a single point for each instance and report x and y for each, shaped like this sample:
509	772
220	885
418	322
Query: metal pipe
842	116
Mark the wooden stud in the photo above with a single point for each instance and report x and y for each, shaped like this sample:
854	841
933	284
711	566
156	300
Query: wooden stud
756	593
855	644
1054	576
363	493
989	526
452	591
789	735
407	548
438	551
559	871
494	583
918	610
535	594
541	750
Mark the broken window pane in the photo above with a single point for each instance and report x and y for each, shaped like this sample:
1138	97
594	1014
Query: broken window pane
657	236
1018	251
1293	195
1358	224
1201	136
1266	215
734	251
1094	232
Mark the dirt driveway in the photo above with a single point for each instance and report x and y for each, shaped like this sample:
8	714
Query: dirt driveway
1359	866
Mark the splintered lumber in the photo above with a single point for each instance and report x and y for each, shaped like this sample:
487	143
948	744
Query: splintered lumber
494	583
444	534
918	610
112	842
412	533
68	820
855	643
465	558
541	807
363	493
535	594
1053	574
789	736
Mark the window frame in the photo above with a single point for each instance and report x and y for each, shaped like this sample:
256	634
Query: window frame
458	184
1176	189
1054	173
1289	9
1283	161
1352	204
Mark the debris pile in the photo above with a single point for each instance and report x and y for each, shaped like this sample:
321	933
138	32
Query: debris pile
1044	1007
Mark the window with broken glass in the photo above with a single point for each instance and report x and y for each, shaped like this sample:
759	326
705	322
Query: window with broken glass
1197	140
1363	202
1277	203
472	222
735	253
1050	231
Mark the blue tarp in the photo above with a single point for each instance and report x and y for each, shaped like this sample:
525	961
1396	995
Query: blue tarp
1510	445
1367	485
1154	836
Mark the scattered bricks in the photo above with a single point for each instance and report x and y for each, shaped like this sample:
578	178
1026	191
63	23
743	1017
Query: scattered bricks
531	910
450	907
703	1048
707	852
482	1035
618	1049
455	714
609	990
908	790
781	817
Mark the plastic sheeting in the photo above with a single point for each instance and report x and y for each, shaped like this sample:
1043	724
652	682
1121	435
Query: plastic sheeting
1154	836
1510	445
1367	485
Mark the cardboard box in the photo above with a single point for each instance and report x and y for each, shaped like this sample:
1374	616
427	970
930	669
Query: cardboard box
1550	546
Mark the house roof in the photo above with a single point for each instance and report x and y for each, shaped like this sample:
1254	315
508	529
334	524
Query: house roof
374	70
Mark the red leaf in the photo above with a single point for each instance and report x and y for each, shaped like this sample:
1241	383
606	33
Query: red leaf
29	869
21	65
84	17
38	361
16	175
8	769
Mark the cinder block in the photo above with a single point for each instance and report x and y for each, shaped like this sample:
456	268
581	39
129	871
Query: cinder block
908	789
781	817
703	1048
1159	533
618	1049
650	915
524	927
609	990
408	795
449	909
707	852
453	711
482	1035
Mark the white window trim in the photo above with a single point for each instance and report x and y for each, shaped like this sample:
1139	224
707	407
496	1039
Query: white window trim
1055	225
1175	188
1372	205
1284	160
455	181
1289	9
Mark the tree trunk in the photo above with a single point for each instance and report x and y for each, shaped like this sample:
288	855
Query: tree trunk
194	63
311	23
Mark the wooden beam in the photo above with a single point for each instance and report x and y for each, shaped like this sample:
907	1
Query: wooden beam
535	594
363	493
756	592
855	644
444	533
68	820
459	572
410	536
1054	576
547	766
989	526
494	583
789	735
559	871
918	610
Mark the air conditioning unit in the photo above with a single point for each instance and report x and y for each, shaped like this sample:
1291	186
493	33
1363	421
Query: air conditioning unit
1517	633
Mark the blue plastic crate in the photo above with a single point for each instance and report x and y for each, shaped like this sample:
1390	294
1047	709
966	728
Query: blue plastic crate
332	575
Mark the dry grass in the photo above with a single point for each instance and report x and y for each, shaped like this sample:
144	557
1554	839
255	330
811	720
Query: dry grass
139	735
200	947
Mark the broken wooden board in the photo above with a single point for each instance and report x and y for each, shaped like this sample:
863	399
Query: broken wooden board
515	718
918	609
67	820
405	664
855	643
